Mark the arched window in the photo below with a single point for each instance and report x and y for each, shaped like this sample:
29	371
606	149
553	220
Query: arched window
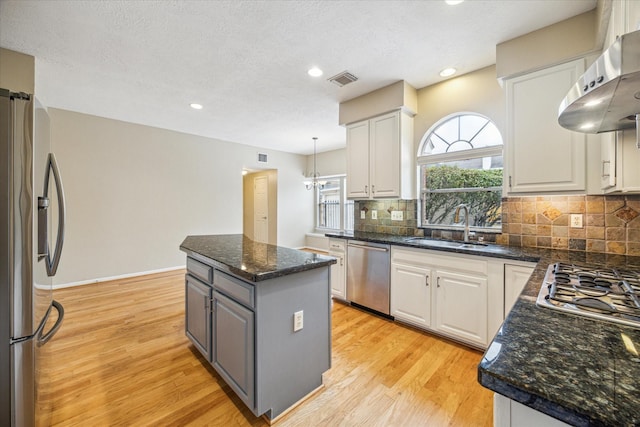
460	162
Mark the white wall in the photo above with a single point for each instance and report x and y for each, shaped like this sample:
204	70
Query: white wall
134	192
329	163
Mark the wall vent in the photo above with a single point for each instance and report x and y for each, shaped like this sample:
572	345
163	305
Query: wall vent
343	78
262	158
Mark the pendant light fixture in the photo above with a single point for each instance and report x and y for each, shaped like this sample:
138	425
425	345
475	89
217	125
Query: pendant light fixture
314	182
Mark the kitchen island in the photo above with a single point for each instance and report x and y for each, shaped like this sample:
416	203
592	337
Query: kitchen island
261	316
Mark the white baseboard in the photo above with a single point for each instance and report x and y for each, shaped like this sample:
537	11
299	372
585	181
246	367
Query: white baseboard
122	276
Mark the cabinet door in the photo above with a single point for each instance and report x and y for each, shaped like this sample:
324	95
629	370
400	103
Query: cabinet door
543	156
633	15
358	160
385	155
515	277
233	346
338	276
628	159
461	306
411	294
198	314
608	160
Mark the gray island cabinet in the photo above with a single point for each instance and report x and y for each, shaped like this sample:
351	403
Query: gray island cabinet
261	316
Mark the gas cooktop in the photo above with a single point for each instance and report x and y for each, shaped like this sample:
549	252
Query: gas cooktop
604	293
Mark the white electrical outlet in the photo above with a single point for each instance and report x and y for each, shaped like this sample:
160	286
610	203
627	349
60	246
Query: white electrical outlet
363	215
576	220
397	216
374	214
298	320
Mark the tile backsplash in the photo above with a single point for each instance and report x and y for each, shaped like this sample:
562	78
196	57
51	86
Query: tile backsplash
610	224
384	224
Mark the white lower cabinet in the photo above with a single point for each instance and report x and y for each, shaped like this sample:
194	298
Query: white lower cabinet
447	294
339	269
411	294
509	413
515	278
461	306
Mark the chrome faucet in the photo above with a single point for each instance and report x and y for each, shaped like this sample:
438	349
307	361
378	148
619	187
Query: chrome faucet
456	219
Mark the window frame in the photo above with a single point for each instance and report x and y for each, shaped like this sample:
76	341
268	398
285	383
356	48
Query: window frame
343	205
422	160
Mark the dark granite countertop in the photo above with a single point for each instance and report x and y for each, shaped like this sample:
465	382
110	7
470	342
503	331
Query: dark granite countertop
490	250
583	371
251	260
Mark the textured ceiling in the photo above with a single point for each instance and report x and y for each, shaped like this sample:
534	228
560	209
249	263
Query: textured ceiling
247	61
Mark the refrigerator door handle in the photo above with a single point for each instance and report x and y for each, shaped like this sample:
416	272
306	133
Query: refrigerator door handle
43	338
52	262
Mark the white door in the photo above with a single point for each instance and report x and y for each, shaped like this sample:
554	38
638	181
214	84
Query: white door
261	209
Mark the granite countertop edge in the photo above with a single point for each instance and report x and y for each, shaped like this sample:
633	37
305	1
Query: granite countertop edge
232	259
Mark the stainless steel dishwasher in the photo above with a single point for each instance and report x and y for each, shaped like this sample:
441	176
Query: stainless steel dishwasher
368	272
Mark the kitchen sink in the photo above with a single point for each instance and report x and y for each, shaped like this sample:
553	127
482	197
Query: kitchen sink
453	244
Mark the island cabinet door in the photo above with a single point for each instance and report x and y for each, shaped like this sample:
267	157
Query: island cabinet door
233	346
198	314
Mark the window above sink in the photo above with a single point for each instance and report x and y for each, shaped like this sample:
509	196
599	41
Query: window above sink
460	162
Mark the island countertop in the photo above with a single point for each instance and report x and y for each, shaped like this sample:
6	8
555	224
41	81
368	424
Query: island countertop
252	260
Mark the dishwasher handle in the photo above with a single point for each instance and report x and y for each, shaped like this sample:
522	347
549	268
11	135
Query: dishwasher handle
371	248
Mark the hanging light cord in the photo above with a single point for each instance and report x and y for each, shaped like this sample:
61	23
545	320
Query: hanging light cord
315	172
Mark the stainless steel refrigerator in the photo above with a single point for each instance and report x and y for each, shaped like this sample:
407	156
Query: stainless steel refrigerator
32	210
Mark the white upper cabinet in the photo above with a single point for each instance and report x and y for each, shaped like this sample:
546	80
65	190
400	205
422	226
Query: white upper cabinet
543	157
620	160
358	160
619	172
625	18
380	157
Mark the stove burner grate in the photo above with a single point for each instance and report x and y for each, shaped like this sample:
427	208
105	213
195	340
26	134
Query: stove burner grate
608	294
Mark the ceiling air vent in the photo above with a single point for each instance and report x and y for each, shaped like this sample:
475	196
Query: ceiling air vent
343	78
262	158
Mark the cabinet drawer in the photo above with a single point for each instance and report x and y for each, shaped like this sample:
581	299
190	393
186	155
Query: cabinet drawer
236	289
200	270
336	245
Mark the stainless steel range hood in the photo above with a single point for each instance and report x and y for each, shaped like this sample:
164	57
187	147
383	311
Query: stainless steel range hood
607	96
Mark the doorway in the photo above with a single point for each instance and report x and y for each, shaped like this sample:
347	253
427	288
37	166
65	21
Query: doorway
260	213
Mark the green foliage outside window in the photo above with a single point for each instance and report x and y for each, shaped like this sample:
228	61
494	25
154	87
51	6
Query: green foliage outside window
480	190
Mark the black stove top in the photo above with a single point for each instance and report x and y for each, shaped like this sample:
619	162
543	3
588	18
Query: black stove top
604	293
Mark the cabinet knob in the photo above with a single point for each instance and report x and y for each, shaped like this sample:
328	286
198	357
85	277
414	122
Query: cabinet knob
438	281
426	280
366	189
373	189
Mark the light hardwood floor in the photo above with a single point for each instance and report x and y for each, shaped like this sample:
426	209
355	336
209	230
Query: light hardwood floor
122	358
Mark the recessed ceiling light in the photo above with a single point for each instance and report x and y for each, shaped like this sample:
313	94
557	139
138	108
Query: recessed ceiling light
448	72
315	72
593	103
586	126
196	106
453	2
